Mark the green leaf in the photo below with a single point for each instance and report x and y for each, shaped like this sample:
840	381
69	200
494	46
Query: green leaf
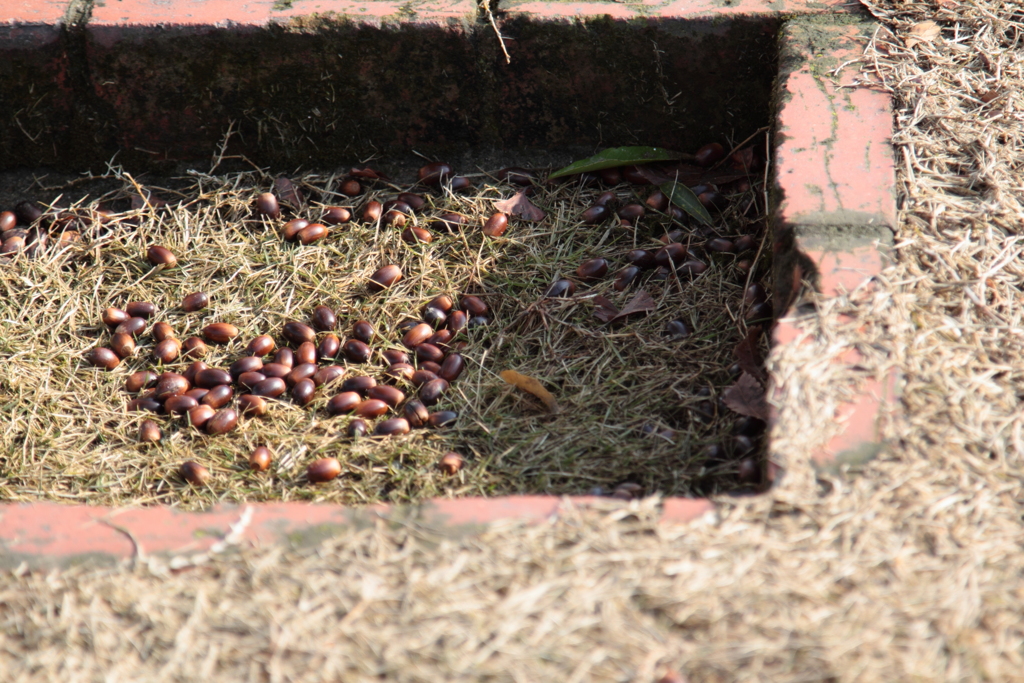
617	156
685	199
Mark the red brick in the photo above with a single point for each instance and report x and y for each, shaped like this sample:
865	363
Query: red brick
376	12
219	13
50	529
566	11
40	12
834	162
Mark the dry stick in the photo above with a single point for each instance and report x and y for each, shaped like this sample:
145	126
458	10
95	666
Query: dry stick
494	25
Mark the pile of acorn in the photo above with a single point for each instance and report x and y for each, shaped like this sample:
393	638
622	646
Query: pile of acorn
395	211
201	395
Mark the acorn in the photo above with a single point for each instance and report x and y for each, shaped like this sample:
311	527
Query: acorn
434	174
149	432
560	288
260	459
290	231
372	212
496	225
102	357
450	463
194	473
196	301
267	205
194	347
323	470
336	215
140	309
592	269
161	256
384	278
219	333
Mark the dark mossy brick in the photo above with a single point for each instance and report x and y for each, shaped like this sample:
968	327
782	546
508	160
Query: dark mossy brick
35	96
607	82
296	96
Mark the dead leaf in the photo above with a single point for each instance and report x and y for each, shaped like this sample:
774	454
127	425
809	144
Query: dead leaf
605	310
367	172
988	95
520	206
641	303
608	312
746	397
532	386
924	32
288	193
748	356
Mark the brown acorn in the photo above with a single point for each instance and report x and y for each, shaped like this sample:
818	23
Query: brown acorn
451	463
336	215
434	174
196	301
102	357
194	347
323	470
122	344
260	459
290	231
262	345
149	432
161	256
194	473
384	278
592	269
496	225
219	333
223	422
267	204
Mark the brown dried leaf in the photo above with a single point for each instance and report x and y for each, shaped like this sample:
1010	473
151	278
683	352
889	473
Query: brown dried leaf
923	32
988	95
746	397
367	172
748	355
519	205
288	193
641	303
532	386
605	311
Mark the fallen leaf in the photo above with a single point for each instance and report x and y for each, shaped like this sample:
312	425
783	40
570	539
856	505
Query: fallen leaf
288	193
519	205
748	356
532	386
988	95
685	199
924	32
367	173
641	303
615	157
605	311
746	397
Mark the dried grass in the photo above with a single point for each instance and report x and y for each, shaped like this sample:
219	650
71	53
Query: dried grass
911	571
70	437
